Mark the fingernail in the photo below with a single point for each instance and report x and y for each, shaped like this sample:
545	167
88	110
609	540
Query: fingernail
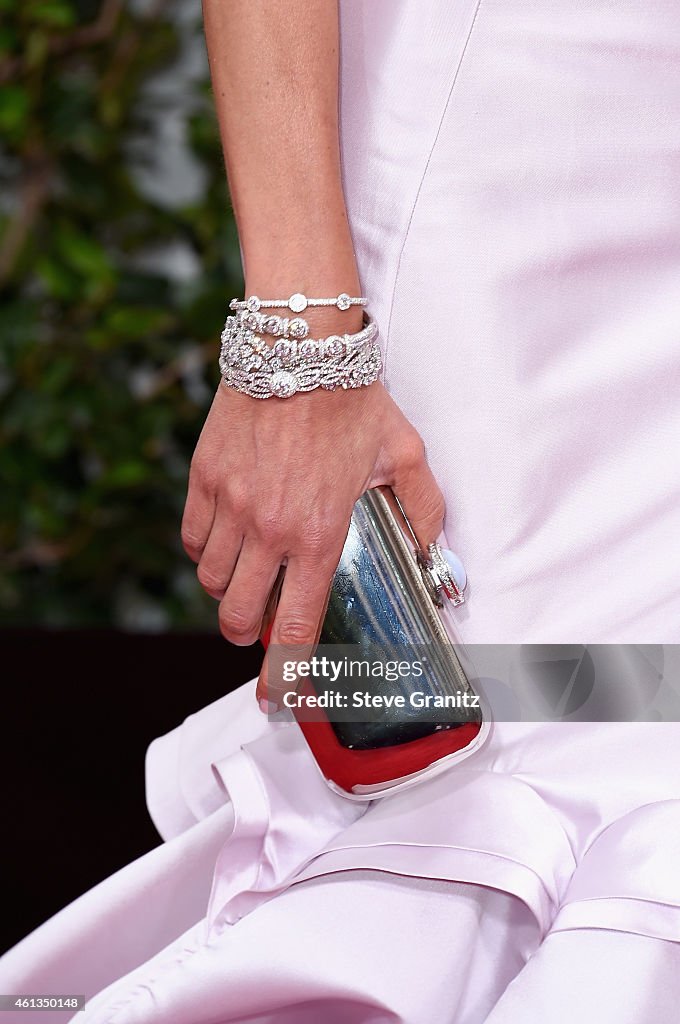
268	707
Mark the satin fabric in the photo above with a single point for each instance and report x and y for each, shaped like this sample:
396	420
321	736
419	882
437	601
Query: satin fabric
314	901
511	174
513	190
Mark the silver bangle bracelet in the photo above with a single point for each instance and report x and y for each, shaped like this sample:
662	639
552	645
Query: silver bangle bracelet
277	326
297	303
294	335
250	365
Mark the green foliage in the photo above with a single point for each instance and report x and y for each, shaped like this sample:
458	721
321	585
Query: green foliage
107	360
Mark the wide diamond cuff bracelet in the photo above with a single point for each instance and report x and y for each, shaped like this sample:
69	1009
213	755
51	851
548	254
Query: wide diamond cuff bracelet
250	365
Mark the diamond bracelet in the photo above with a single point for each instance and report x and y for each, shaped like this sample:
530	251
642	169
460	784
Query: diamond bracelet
277	326
251	366
294	335
297	303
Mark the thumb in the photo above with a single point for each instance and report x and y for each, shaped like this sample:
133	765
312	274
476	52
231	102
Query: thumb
418	492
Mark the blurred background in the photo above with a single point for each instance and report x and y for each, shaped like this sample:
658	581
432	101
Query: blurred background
118	254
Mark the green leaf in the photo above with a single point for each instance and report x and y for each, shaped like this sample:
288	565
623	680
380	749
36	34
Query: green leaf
55	13
87	259
137	322
37	47
56	375
9	39
125	474
82	252
54	441
14	108
57	279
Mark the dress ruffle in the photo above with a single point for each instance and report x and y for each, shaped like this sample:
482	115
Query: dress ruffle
472	824
257	839
628	879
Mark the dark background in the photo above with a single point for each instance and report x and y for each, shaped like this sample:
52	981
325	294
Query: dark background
79	710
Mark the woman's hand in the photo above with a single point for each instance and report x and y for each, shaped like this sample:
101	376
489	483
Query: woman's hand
275	481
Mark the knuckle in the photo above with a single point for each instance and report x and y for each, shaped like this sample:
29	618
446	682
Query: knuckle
317	543
202	474
436	506
236	624
191	542
209	578
323	534
295	631
270	525
428	511
237	496
412	450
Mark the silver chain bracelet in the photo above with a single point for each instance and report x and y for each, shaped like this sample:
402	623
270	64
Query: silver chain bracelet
297	303
253	367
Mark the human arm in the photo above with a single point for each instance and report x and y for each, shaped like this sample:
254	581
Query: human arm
275	481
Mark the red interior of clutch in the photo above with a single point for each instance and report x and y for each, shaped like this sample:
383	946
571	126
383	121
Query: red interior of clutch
349	768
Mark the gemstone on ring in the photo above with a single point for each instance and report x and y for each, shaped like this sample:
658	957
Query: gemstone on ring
343	301
297	303
252	304
456	568
449	572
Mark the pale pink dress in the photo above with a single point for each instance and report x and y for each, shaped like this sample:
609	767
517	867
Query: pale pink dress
512	174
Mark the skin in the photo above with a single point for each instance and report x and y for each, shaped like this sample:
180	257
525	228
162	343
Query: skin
274	482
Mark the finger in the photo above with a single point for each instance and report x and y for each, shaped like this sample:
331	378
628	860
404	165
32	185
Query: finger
197	521
242	607
220	554
419	495
298	622
270	607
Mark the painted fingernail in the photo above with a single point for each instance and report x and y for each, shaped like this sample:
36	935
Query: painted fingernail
268	707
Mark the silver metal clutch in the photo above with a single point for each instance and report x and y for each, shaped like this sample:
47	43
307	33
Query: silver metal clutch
388	606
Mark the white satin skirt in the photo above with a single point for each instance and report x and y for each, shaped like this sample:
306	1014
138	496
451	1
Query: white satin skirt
512	174
536	881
